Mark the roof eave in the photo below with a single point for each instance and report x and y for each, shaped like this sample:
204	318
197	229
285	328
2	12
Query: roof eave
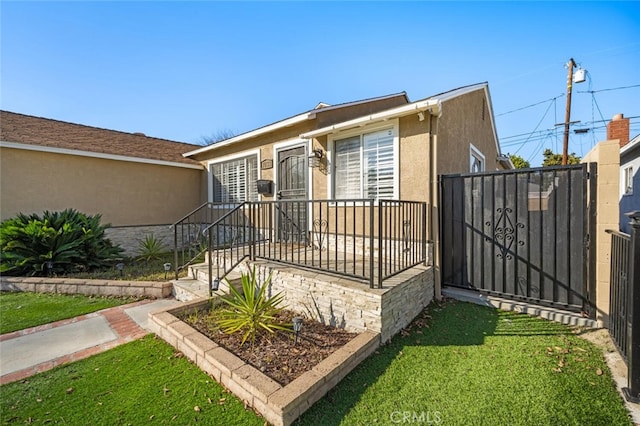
253	133
433	105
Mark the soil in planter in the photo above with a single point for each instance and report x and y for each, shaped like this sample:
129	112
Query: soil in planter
276	354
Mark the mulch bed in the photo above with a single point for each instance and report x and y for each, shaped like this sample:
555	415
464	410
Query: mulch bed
276	354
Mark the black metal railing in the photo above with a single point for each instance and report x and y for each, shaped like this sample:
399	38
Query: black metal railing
624	308
190	238
366	239
618	315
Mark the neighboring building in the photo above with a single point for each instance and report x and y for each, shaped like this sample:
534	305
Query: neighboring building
139	184
618	129
385	147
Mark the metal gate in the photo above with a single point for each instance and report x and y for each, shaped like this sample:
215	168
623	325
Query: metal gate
522	234
292	185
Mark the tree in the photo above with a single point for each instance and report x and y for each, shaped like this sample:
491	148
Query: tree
217	136
519	162
552	159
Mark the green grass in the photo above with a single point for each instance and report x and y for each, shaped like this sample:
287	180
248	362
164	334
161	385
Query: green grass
142	382
472	365
20	310
458	364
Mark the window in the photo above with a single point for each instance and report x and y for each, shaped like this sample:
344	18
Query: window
476	160
364	166
628	180
234	181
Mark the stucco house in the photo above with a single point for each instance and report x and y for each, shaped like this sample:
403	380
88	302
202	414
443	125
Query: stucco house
343	159
139	184
385	147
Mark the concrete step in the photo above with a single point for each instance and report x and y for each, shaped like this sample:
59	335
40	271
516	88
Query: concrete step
552	314
186	289
196	285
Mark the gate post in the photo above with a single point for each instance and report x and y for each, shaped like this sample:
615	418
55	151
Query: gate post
632	393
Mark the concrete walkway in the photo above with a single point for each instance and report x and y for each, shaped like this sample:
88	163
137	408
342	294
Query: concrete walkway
27	352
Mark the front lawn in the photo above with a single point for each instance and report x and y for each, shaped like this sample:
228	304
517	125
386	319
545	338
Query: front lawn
463	364
20	310
142	382
458	364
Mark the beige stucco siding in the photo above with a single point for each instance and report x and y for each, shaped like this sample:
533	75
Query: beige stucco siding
465	120
124	193
414	158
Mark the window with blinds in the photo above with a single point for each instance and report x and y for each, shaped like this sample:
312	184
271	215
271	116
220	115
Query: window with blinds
364	166
234	181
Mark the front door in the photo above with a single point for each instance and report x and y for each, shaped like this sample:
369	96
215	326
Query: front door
292	191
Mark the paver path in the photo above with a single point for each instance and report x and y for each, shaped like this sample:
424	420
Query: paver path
27	352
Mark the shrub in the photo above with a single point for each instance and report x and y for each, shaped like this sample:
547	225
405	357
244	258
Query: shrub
251	312
68	241
151	248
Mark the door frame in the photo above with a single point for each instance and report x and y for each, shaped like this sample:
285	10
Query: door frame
283	146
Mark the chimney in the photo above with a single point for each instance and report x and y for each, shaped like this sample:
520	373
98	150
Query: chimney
618	128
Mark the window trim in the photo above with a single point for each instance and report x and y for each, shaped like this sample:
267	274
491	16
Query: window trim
392	125
627	175
224	159
476	153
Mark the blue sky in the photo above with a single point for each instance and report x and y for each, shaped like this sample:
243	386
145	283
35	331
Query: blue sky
184	70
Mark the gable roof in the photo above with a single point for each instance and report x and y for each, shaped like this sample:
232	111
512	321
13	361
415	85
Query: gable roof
433	104
287	122
28	132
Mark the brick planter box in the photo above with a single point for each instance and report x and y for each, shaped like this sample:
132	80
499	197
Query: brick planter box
149	289
280	405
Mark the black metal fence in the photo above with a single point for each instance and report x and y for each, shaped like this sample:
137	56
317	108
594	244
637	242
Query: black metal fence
363	239
618	312
521	234
624	305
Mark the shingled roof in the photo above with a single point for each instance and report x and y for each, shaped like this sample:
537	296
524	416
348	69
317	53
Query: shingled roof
45	132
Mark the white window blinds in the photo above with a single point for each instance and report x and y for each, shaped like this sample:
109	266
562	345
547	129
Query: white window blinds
364	166
235	181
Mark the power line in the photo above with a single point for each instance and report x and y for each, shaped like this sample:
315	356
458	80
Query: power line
529	106
607	90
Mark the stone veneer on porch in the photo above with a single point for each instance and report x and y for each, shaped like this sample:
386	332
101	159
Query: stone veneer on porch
376	314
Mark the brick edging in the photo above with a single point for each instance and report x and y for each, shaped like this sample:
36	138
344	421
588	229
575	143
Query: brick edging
280	405
149	289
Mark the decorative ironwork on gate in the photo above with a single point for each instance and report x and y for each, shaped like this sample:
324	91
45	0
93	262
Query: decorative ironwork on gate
521	234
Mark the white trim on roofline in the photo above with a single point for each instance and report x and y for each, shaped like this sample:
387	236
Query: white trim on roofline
629	146
431	104
257	132
91	154
288	122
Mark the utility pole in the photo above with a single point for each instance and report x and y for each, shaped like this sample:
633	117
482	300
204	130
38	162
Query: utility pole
567	118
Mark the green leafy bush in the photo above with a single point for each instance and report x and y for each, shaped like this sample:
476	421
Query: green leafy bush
151	248
251	312
56	243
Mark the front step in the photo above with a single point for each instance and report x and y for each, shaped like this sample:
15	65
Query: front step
196	284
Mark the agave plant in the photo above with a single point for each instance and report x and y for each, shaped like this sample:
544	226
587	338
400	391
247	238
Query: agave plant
151	248
251	312
65	241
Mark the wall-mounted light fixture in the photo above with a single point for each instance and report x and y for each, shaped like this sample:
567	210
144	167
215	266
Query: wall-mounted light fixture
315	157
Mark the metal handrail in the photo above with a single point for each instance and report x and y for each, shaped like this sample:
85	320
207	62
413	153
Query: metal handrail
346	237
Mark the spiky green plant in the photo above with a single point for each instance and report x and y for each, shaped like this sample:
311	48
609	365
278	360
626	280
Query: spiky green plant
251	312
151	248
67	241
